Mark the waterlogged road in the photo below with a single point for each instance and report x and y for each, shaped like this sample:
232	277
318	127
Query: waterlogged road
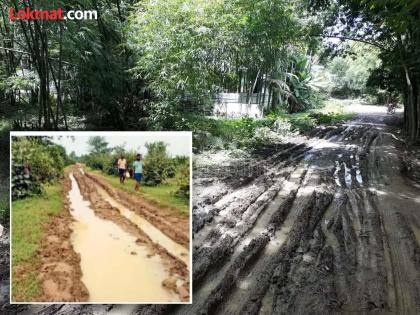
175	249
114	267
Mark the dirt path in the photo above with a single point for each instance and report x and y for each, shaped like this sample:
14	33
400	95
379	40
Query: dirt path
152	266
329	226
319	225
108	245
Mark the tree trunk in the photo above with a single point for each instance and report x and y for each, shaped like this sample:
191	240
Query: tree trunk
411	107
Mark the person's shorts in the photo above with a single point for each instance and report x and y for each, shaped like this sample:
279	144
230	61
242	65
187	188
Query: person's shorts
121	172
137	177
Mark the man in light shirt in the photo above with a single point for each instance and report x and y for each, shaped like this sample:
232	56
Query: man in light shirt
122	168
138	171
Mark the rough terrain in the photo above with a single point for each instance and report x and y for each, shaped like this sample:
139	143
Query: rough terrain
175	228
58	270
324	224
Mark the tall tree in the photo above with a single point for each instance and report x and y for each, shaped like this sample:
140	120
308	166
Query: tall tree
393	26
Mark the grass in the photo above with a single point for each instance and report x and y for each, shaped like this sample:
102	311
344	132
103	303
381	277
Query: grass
163	195
28	217
222	133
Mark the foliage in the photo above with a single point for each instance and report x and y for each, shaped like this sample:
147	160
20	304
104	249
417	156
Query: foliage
293	85
156	162
393	27
327	118
98	145
189	50
104	158
350	72
183	179
164	194
43	160
23	185
85	63
251	133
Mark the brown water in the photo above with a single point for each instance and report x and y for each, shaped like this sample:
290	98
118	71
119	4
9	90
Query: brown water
154	233
114	267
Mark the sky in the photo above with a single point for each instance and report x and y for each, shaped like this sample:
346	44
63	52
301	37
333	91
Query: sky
179	143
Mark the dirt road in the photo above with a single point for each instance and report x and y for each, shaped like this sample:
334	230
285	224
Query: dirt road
110	245
148	245
330	226
321	224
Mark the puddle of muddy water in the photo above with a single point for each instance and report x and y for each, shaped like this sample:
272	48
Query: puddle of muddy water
339	166
336	172
114	267
177	250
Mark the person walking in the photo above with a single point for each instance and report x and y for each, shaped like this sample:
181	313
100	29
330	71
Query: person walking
122	168
138	171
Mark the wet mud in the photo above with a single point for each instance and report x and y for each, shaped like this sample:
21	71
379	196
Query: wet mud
155	258
164	219
58	271
103	246
329	226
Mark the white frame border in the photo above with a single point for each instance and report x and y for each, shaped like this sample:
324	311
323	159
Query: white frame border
100	133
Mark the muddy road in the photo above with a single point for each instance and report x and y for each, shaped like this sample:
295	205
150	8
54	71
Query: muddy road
119	248
329	226
110	245
323	224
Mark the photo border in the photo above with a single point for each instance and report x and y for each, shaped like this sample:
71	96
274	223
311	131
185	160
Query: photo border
100	133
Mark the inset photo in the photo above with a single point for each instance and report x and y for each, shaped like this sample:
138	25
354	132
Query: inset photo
100	217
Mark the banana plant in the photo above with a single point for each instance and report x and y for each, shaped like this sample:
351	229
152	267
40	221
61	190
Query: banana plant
293	87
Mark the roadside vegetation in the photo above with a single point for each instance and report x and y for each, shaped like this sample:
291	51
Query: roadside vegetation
29	216
164	194
166	179
37	168
251	134
161	65
36	161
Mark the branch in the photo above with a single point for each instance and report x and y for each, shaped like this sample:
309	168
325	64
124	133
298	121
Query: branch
356	40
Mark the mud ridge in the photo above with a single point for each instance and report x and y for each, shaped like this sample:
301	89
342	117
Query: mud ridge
174	227
177	269
59	269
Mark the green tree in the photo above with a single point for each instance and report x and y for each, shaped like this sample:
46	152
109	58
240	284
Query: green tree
98	145
393	26
189	50
156	163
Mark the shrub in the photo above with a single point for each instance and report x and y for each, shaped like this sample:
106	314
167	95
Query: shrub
23	184
183	181
44	161
156	162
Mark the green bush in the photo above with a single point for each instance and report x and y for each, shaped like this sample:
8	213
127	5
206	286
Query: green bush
328	118
43	159
23	184
156	162
183	180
